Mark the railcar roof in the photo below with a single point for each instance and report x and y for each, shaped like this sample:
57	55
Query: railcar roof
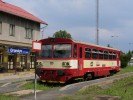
76	41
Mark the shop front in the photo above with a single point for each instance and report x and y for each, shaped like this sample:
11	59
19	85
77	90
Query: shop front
16	58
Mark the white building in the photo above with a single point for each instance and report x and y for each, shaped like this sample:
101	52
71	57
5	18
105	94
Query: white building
130	63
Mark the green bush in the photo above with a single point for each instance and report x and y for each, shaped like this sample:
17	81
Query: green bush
125	58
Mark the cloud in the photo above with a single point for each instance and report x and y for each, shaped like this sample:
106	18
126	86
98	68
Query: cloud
79	18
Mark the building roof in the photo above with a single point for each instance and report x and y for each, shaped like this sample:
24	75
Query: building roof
14	10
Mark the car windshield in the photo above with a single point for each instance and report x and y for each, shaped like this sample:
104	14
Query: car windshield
62	51
46	51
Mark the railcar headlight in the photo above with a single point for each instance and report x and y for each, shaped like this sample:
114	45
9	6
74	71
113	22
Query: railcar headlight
39	65
67	63
63	63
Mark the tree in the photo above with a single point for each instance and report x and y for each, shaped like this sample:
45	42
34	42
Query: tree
62	34
109	46
125	58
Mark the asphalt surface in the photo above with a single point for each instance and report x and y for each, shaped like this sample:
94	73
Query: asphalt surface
9	83
73	88
14	78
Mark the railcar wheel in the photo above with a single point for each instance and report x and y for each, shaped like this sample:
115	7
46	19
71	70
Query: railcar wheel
112	72
88	76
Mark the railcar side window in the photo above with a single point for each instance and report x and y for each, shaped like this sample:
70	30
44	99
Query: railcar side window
46	51
105	54
110	55
100	54
94	53
87	53
75	51
114	55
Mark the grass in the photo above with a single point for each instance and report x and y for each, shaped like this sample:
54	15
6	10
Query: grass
125	70
2	97
39	86
122	88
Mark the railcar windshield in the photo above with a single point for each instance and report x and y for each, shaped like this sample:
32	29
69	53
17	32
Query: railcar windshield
46	51
62	50
56	51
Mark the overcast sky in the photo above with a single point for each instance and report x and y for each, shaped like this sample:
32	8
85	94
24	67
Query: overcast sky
78	17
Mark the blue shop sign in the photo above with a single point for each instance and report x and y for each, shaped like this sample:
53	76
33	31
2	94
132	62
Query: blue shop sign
18	51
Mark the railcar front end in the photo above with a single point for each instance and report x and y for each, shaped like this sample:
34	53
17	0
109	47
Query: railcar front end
55	63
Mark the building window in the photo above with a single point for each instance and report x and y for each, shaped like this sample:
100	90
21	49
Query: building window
0	27
12	30
29	33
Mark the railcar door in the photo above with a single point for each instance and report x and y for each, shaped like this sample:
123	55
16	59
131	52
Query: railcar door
80	60
118	59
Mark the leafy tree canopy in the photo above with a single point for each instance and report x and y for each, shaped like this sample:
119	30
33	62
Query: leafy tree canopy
125	58
109	46
62	34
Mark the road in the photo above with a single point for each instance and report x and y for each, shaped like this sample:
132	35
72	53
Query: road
12	82
73	88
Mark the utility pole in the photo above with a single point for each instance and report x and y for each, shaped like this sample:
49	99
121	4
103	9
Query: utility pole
97	22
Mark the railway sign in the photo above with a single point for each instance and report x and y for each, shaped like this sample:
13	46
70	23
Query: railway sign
18	51
36	46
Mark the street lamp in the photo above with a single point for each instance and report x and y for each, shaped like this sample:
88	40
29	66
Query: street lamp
114	36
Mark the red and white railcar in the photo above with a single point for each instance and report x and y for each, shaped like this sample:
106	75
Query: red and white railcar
63	59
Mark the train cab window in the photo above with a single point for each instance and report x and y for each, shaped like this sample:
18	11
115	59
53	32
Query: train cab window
62	51
100	54
105	54
110	55
114	55
75	51
94	53
46	51
87	53
80	52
